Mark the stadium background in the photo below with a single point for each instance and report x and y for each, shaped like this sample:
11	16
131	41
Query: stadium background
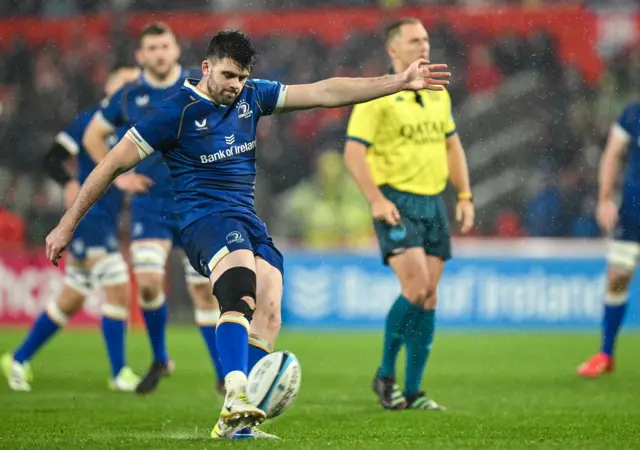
535	87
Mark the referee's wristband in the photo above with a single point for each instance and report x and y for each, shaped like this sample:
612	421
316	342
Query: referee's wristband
465	196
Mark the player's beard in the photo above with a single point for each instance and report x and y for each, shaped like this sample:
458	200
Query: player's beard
161	72
218	95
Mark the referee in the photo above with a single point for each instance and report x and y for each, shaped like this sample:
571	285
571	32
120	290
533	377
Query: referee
401	150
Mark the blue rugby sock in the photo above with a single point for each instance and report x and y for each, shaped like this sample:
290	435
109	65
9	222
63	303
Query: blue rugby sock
47	324
232	341
155	318
114	329
418	350
615	309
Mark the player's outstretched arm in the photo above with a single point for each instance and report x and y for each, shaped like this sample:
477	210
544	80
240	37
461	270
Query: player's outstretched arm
607	213
123	157
335	92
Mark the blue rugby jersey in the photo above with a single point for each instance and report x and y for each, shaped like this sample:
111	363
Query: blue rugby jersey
210	149
127	107
71	139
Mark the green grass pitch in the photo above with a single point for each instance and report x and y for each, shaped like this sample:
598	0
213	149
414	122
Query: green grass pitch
503	390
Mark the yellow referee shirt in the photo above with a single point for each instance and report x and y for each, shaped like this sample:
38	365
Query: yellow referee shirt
406	138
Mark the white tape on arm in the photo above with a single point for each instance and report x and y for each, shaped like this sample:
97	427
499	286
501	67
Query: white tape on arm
144	149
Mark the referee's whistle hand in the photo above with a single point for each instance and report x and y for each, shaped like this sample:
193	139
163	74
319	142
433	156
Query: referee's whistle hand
385	211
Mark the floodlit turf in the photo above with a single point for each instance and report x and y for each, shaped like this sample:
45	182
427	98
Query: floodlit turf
503	390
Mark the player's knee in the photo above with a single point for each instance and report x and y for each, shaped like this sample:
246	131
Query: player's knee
149	290
69	303
431	301
419	292
149	293
236	291
61	312
119	295
110	270
619	282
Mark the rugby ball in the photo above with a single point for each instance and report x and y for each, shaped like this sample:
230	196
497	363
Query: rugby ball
274	382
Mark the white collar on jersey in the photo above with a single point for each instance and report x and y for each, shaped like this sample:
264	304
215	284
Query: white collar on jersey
192	87
164	84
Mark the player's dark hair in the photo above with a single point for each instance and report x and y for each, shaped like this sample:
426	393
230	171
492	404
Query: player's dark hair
154	29
234	45
393	28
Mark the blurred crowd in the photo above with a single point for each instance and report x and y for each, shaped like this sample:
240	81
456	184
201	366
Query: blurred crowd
57	8
303	191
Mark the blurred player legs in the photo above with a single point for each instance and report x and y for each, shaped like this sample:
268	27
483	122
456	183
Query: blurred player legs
110	273
94	259
622	259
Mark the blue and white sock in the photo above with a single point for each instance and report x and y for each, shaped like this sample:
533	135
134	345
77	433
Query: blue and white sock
232	341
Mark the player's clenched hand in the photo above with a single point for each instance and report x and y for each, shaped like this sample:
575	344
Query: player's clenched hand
423	75
133	183
607	215
384	210
57	242
465	214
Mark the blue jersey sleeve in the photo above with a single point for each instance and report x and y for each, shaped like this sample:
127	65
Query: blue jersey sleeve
270	96
71	137
157	130
112	111
628	119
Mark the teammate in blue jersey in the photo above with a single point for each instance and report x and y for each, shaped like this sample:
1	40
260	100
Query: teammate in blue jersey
207	135
94	260
624	225
154	225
